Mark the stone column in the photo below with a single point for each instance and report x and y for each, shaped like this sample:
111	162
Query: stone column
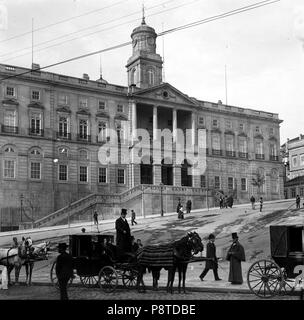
193	128
177	176
174	124
155	124
134	121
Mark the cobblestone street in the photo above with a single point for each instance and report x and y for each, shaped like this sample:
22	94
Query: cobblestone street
80	293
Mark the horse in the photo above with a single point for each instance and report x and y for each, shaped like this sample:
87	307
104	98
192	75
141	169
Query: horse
26	255
171	256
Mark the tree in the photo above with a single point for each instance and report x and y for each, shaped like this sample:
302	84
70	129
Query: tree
258	181
33	206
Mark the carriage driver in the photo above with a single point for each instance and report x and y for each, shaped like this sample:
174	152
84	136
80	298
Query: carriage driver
123	234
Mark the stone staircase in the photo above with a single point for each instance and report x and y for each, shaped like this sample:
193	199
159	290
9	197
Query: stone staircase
113	203
82	205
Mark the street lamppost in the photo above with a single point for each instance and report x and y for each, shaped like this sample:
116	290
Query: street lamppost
21	206
161	199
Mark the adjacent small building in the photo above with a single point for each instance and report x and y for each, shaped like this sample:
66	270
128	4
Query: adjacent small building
293	159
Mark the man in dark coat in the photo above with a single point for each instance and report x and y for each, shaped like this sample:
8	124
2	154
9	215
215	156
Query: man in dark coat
252	200
188	206
211	263
235	255
298	200
64	270
123	234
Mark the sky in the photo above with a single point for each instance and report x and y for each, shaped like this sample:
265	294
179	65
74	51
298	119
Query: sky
262	50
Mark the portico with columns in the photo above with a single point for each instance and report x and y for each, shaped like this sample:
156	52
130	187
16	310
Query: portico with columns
162	135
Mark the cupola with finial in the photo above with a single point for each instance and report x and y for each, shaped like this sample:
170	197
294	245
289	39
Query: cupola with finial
145	65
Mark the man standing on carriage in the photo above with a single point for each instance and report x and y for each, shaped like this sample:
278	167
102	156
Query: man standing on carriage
123	234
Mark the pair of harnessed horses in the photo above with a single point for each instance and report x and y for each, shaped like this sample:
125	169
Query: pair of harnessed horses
26	254
171	256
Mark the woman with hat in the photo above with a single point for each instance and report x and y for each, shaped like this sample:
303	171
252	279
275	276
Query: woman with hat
64	270
211	262
235	255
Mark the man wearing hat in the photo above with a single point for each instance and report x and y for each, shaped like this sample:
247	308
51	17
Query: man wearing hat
123	234
211	262
64	270
235	255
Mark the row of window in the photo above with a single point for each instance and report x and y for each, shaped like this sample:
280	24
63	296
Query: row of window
63	99
9	172
215	123
297	160
231	183
242	145
36	126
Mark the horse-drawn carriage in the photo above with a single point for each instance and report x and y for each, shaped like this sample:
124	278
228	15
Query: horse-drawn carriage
98	268
267	278
97	265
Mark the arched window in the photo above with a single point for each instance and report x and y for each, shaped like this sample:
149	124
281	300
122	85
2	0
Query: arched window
133	76
9	163
102	131
151	77
274	181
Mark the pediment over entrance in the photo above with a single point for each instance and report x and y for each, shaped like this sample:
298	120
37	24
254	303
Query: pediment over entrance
166	93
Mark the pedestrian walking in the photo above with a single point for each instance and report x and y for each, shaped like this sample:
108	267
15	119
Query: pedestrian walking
188	206
225	202
252	200
298	200
235	255
221	202
95	218
261	204
211	262
133	216
180	214
64	270
178	205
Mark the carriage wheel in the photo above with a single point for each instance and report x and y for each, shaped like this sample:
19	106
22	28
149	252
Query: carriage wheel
89	281
288	284
264	278
54	279
129	278
108	279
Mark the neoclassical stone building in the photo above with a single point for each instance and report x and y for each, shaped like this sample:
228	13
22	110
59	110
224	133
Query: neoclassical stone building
53	126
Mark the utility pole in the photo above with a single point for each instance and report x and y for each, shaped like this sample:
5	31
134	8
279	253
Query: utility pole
161	200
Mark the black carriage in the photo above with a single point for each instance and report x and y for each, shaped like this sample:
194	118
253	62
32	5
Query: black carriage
267	278
95	266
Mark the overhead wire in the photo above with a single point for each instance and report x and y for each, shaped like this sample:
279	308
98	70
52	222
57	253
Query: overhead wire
61	21
186	26
89	34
